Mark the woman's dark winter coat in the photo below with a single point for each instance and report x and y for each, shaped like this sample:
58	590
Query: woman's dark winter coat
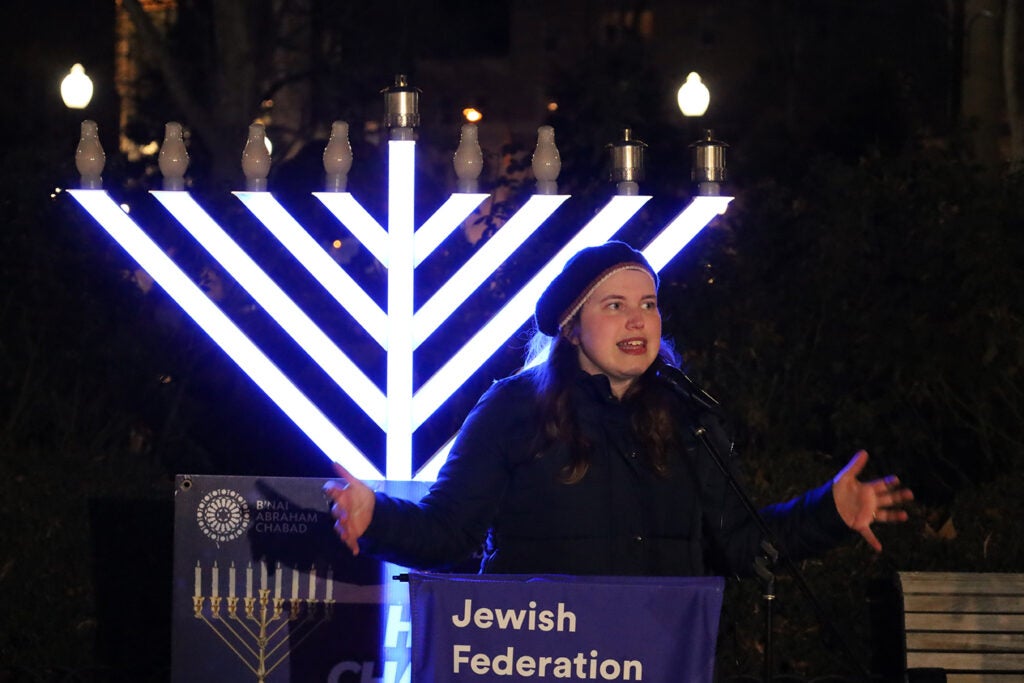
497	496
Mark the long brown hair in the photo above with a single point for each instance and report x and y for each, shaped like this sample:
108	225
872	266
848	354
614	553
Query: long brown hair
651	418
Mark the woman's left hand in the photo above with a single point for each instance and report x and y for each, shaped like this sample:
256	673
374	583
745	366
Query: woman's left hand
862	503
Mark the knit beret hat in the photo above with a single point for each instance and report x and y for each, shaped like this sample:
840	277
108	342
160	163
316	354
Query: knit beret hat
580	276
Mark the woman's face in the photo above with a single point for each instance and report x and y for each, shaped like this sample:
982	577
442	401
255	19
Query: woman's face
619	329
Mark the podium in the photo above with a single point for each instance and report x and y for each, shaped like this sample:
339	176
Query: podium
489	628
264	593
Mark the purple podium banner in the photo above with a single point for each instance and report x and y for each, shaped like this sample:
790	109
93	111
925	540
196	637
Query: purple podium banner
488	628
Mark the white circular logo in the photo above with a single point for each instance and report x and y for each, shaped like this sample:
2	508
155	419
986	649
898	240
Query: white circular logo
223	515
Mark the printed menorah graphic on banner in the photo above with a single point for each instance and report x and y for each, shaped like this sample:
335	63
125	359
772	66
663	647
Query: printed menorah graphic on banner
262	627
398	408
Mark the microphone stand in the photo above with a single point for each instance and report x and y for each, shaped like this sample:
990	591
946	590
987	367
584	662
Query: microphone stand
764	564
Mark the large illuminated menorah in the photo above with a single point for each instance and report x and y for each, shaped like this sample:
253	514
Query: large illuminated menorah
400	409
253	625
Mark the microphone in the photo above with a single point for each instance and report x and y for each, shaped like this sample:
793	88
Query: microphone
685	387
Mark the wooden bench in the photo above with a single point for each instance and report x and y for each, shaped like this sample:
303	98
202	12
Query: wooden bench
970	626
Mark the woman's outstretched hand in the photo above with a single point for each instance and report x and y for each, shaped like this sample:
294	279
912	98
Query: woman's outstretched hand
352	504
862	503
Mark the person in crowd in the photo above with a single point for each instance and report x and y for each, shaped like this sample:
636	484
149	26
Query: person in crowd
598	459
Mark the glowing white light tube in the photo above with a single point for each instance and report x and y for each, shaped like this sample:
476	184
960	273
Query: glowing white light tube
483	263
449	216
432	467
401	229
282	309
225	333
519	308
360	223
683	228
318	262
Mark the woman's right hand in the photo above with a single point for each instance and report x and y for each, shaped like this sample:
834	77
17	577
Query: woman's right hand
352	504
